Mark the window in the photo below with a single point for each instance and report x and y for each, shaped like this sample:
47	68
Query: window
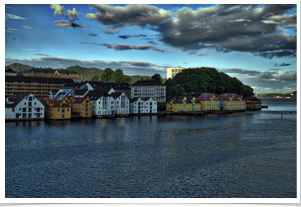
13	110
24	103
29	109
67	109
24	109
58	110
29	104
63	110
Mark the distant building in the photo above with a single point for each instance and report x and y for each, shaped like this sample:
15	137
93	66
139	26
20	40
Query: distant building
183	103
117	86
149	89
232	101
209	102
37	86
171	72
121	103
52	73
10	72
253	103
23	106
56	109
141	106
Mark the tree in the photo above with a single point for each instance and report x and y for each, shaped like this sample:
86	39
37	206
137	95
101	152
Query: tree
106	75
118	75
247	91
172	89
157	77
127	79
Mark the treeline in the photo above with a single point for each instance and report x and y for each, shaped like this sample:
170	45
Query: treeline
204	79
111	75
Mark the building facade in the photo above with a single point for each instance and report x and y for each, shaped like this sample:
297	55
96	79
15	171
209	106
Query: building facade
149	89
23	107
142	106
232	101
52	73
121	103
39	87
56	108
209	102
253	103
103	105
117	86
183	103
171	72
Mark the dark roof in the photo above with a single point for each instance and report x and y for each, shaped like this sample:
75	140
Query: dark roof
116	94
50	71
252	98
134	99
73	85
206	97
36	79
102	89
108	84
9	70
148	82
80	91
94	95
80	99
16	98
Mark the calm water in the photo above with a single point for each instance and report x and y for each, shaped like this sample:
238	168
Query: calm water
251	154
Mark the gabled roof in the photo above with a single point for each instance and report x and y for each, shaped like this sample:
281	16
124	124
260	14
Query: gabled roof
80	99
78	92
206	97
178	99
16	98
94	95
116	94
134	99
57	102
102	89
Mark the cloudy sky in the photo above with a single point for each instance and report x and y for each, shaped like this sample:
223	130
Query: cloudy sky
255	43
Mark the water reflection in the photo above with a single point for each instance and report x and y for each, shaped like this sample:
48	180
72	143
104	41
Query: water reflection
218	155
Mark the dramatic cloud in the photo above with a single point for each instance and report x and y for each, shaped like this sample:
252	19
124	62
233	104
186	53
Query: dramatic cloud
257	29
227	28
129	67
71	15
276	81
125	46
10	29
129	15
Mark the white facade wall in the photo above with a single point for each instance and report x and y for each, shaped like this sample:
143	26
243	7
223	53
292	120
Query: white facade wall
141	107
28	108
122	109
157	93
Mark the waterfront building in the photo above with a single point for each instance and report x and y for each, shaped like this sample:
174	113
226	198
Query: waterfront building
52	73
121	103
171	72
253	103
143	106
103	105
149	89
209	102
231	101
37	86
23	106
183	103
117	86
56	108
81	107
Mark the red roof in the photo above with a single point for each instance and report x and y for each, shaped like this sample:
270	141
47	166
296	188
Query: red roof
206	97
178	99
80	99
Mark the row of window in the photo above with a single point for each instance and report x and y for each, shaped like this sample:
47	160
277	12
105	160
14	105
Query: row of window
29	109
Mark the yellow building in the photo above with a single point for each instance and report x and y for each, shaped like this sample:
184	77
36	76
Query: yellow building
81	107
209	102
56	109
232	101
183	103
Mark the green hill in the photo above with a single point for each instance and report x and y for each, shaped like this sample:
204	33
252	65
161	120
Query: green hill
18	66
88	73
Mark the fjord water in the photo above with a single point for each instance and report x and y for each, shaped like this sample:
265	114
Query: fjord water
246	154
